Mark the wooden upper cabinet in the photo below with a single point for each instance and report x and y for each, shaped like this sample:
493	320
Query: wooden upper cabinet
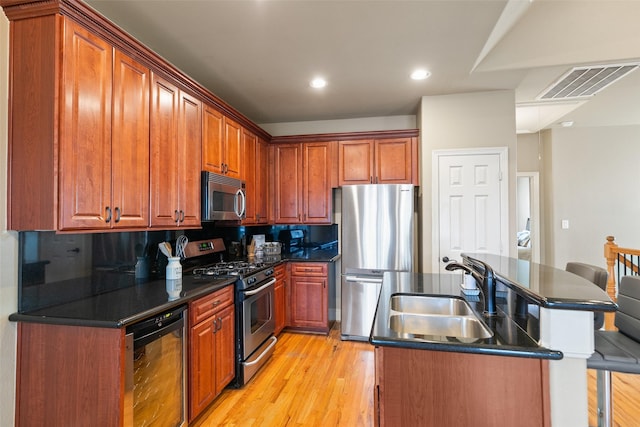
379	161
189	143
176	137
395	161
87	155
249	150
221	144
130	142
287	189
212	140
255	166
262	181
233	141
316	183
302	183
85	131
355	162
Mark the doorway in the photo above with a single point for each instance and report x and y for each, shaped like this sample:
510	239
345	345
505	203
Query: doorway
470	205
528	216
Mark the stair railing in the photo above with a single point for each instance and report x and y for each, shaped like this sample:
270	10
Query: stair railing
620	262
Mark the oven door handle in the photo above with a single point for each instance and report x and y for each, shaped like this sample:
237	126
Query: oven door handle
274	340
255	291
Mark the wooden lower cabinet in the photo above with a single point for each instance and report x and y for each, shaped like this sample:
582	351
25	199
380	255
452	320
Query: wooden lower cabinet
438	388
211	348
69	375
280	291
309	296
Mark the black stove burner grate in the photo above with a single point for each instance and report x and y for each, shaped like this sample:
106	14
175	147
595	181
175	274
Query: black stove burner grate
234	268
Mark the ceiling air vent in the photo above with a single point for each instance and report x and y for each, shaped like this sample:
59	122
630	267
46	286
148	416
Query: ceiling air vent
581	82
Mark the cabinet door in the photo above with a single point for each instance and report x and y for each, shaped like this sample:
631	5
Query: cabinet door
233	148
202	387
164	152
130	142
212	140
225	349
394	161
355	162
280	305
249	149
262	181
189	143
288	184
316	191
85	131
309	302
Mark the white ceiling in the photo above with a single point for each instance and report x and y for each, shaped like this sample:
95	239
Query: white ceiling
259	55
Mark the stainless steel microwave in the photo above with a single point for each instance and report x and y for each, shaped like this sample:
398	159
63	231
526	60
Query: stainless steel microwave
223	198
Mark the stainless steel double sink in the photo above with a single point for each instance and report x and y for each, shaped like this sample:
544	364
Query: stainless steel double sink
443	316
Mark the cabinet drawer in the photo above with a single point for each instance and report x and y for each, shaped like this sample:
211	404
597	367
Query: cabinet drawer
280	271
309	269
204	307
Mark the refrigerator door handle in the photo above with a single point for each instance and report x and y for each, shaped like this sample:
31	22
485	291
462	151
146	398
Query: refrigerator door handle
363	279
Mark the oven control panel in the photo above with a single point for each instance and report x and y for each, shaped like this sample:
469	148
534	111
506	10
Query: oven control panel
204	247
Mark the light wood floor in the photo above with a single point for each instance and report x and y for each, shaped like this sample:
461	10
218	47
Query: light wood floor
322	381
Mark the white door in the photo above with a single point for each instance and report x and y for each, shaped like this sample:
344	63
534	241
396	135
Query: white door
471	203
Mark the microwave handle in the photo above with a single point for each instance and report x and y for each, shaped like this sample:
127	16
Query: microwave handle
239	208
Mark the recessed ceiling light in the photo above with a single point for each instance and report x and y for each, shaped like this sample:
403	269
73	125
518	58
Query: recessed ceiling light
420	74
566	124
318	83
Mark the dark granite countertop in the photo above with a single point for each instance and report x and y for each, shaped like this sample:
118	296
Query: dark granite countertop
547	286
133	302
313	255
513	335
122	307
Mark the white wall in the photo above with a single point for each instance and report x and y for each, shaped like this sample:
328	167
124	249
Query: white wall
471	120
8	253
592	179
337	126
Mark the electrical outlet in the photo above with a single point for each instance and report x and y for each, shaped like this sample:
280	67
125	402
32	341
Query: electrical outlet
565	224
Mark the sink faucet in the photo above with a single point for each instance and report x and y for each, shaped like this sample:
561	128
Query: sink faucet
487	280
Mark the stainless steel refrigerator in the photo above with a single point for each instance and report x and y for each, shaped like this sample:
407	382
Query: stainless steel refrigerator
378	235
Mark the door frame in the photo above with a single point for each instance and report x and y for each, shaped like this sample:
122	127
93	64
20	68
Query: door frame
503	153
534	208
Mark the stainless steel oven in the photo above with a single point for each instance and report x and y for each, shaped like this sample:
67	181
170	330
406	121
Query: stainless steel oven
255	323
254	304
155	371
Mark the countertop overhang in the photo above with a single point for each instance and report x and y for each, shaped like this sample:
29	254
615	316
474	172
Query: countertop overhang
546	286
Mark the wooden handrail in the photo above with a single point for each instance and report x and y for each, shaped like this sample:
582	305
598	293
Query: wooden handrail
613	253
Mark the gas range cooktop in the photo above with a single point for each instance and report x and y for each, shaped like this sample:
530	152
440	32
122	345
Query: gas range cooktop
233	268
248	273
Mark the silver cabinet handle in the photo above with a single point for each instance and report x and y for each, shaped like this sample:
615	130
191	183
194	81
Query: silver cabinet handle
108	212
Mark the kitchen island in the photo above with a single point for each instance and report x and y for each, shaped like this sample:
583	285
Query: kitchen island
530	371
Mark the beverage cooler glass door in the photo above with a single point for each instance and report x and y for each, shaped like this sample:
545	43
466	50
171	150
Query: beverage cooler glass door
155	374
